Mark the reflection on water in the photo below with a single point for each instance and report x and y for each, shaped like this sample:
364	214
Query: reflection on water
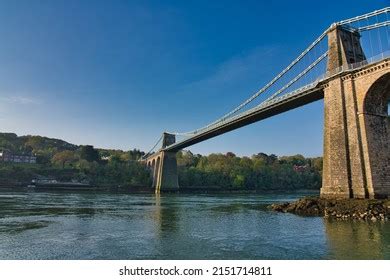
38	225
358	239
166	216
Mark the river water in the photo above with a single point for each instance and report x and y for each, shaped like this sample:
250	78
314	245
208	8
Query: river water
49	225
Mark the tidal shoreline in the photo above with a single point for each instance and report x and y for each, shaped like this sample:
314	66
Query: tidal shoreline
345	209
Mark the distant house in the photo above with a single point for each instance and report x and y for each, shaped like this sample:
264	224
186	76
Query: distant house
9	157
300	168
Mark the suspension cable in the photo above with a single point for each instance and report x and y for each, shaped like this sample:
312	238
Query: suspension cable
379	35
155	145
365	16
311	66
374	26
387	32
263	89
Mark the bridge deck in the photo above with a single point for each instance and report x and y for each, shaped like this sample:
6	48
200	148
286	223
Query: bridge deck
261	113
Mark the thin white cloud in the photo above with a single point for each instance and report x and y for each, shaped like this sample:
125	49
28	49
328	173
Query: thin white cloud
20	100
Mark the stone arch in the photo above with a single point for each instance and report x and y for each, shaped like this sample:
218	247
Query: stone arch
376	134
377	98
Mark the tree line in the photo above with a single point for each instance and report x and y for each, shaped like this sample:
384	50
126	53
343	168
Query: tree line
57	159
260	171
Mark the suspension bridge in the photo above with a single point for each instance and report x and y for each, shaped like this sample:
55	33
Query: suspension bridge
348	67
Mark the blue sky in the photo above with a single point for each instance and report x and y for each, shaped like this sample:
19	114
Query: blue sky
116	74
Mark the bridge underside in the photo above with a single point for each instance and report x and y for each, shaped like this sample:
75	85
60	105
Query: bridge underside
288	104
162	164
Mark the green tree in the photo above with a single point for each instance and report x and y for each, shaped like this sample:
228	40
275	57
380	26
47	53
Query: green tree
88	153
64	157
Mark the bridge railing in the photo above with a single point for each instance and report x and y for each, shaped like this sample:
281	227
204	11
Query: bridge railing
356	65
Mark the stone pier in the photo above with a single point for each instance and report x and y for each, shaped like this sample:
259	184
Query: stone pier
357	126
163	167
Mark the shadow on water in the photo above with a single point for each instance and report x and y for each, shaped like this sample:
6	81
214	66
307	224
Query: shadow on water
237	207
44	205
358	239
18	227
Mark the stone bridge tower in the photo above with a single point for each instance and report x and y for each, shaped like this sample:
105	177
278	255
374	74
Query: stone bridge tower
357	125
163	167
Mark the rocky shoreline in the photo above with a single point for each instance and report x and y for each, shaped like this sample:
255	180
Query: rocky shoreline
355	209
